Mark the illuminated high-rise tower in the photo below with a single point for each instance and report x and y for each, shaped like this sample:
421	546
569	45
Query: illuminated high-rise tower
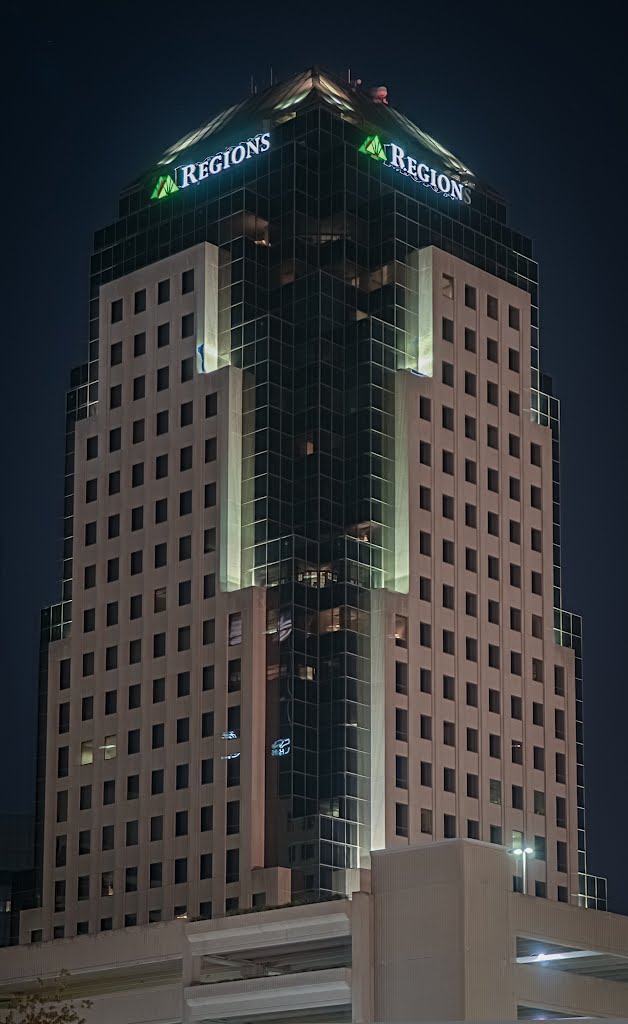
311	598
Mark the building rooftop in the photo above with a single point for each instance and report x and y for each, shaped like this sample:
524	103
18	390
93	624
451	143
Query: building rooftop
367	109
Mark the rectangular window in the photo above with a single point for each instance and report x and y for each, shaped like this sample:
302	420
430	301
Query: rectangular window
401	677
401	820
401	724
401	772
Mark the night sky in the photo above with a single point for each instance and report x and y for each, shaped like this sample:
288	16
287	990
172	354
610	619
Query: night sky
529	97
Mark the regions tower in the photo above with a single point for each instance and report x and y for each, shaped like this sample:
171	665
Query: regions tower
311	598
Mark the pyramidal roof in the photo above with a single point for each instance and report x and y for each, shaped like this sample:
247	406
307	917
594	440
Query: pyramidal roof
279	101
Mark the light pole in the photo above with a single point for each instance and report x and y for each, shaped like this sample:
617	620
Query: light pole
524	853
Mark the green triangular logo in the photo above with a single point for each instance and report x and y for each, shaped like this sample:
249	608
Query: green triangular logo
373	147
165	186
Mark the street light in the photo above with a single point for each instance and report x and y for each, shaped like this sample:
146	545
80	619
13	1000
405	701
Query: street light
524	853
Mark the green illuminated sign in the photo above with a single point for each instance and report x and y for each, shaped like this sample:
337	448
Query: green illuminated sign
165	186
394	156
373	147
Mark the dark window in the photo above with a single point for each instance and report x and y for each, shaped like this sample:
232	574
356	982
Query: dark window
469	340
492	307
161	555
401	724
472	694
139	347
470	297
163	336
187	325
491	350
163	378
513	360
163	291
116	311
401	820
401	677
401	772
139	304
187	281
211	404
187	414
157	781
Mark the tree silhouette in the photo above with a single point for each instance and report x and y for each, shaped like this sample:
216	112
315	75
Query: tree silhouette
48	1004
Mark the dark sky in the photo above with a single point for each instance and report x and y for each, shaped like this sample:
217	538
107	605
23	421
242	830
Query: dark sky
529	97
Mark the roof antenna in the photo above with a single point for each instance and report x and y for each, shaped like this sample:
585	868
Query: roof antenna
349	75
252	87
271	74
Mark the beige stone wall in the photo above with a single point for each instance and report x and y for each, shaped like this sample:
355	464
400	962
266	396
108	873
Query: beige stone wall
448	474
208	564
